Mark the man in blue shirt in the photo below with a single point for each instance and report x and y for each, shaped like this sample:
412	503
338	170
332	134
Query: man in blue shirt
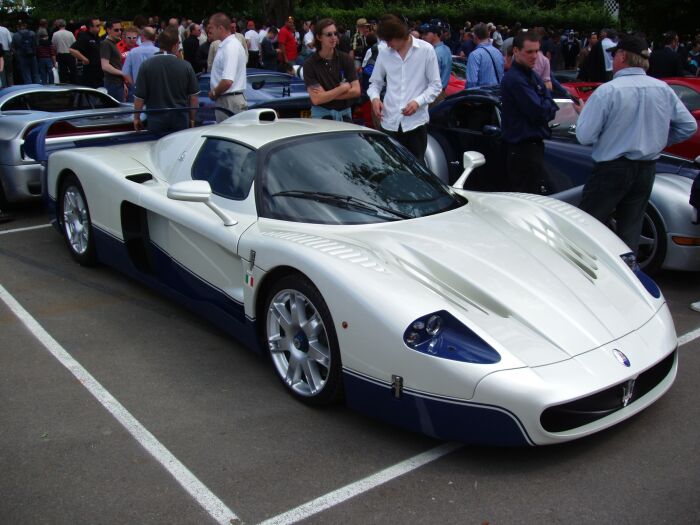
485	63
432	34
139	55
629	121
527	108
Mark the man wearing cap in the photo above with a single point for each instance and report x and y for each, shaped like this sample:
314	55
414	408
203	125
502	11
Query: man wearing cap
628	120
359	41
432	34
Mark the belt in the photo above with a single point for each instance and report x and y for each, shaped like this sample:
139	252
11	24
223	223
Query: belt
231	94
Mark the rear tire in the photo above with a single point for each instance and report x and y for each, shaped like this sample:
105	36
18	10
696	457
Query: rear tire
76	225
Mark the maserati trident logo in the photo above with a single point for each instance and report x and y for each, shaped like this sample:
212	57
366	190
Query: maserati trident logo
627	392
622	358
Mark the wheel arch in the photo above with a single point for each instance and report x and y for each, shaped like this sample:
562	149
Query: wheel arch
263	287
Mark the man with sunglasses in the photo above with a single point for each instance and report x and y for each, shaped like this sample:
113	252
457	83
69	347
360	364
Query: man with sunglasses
86	49
111	60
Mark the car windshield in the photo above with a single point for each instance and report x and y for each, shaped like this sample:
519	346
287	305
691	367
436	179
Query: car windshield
349	178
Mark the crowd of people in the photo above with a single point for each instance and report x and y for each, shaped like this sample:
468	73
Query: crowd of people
402	69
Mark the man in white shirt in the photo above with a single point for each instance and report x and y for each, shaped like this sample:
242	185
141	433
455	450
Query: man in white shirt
408	67
253	40
228	76
62	41
609	41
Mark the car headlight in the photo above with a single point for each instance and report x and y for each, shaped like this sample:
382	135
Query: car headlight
647	282
440	334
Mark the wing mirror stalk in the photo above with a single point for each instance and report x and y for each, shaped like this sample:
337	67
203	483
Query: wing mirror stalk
472	160
198	191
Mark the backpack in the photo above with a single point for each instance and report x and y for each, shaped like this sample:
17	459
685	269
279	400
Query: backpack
27	43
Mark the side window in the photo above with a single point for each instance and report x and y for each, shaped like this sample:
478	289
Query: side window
227	166
473	116
690	98
15	104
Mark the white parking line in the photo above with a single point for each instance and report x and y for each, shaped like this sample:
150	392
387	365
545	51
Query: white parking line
212	504
353	489
5	232
690	336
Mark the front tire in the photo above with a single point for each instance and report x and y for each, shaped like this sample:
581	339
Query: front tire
74	217
302	341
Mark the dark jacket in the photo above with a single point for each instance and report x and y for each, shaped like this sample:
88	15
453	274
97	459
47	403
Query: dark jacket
664	63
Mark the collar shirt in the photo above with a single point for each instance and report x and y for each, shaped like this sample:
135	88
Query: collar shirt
444	58
138	56
5	38
484	66
417	77
229	64
606	44
527	105
633	116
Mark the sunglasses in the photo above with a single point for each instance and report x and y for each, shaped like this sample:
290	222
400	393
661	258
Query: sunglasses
330	34
131	38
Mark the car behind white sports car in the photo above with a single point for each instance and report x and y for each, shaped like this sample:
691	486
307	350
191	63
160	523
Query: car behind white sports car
503	319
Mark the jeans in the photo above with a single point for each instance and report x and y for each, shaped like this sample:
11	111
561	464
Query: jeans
343	115
622	186
116	91
30	69
46	71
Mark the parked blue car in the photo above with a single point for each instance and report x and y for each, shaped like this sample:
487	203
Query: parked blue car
265	89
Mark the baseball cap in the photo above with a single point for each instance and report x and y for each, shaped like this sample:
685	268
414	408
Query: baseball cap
632	43
362	22
430	28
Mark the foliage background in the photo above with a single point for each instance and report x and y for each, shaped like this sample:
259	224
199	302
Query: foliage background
652	16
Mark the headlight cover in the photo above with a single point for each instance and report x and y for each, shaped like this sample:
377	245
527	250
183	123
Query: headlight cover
647	281
440	334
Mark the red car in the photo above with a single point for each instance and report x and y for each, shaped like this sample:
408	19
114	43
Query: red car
687	89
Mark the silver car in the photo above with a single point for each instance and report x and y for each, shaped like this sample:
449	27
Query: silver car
24	107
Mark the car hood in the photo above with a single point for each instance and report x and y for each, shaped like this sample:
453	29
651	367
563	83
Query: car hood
535	275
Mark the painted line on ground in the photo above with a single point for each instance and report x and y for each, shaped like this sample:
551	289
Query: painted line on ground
216	508
16	230
353	489
690	336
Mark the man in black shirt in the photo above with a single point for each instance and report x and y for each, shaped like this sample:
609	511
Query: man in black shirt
191	45
165	81
666	62
86	49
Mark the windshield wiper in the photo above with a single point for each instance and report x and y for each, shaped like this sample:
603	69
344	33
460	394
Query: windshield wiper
345	201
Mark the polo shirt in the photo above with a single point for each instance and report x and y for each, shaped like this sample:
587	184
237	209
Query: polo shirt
110	52
329	74
229	64
286	37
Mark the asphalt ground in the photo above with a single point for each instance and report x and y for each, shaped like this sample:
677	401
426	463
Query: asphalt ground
199	430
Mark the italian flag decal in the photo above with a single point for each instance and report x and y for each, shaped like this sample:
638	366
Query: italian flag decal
249	280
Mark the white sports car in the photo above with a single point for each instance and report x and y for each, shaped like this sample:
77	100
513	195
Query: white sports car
503	319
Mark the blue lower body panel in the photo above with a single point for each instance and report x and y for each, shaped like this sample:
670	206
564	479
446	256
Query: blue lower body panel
440	418
182	286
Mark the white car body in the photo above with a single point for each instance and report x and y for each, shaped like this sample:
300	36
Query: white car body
541	282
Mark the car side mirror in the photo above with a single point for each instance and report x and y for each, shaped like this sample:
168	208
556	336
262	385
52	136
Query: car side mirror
198	191
491	131
472	160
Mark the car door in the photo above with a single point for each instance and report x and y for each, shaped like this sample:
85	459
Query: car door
205	263
473	124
